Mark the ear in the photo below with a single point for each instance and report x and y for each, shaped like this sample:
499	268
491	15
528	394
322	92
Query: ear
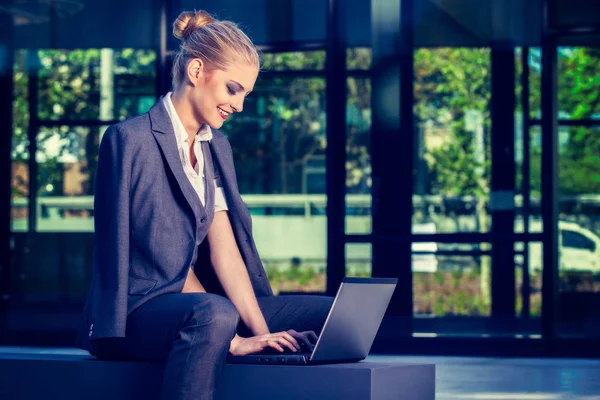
195	71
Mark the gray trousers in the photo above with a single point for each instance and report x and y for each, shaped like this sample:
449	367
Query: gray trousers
191	332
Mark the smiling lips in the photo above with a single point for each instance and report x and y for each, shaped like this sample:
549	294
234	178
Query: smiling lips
224	114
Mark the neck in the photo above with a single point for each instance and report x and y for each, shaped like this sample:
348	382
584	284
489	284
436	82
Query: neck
185	112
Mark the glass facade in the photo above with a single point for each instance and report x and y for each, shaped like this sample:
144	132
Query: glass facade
434	103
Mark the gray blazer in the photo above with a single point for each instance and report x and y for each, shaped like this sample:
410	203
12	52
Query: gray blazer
150	225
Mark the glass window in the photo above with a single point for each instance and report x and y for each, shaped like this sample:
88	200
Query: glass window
578	82
535	82
579	223
528	282
52	260
577	241
95	84
452	146
279	140
92	84
278	144
358	156
307	60
535	180
358	58
20	143
69	84
359	259
66	161
447	281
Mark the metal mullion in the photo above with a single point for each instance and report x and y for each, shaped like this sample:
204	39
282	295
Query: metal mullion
445	238
73	123
336	148
355	73
570	122
6	121
550	193
292	47
526	186
392	151
294	74
454	252
32	131
359	73
502	180
573	31
283	47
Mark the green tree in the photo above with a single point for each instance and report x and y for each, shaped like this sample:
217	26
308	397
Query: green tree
282	127
69	89
579	97
449	82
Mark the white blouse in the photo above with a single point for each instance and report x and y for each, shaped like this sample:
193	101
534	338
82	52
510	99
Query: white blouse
194	173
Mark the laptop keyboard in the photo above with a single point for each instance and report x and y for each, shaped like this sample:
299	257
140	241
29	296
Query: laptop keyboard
270	350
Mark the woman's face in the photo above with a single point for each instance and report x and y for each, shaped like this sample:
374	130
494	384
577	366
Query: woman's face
217	93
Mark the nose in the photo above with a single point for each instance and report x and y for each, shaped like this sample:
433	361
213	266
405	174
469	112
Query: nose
238	105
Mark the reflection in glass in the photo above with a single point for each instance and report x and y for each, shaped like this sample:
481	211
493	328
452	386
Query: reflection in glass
358	58
66	160
448	285
279	140
289	61
20	143
358	157
579	229
535	180
452	150
534	62
94	84
290	234
359	259
534	277
578	84
278	144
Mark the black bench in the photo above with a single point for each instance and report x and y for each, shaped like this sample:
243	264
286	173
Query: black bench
53	375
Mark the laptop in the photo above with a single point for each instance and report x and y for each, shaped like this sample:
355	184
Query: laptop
349	330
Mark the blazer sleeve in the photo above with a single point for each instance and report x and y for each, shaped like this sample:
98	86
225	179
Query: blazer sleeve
112	235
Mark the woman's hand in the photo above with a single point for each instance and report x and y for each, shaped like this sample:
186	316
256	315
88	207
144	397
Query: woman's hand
243	346
306	339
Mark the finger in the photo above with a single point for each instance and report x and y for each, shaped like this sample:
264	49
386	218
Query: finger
312	336
273	343
288	338
292	339
301	338
285	341
281	341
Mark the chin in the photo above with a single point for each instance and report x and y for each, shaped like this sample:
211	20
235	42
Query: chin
216	124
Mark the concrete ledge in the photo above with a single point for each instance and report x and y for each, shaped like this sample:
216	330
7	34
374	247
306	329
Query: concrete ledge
27	376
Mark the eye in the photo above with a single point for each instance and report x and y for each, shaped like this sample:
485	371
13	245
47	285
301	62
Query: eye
231	90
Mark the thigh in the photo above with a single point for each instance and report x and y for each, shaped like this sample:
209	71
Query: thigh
152	328
298	312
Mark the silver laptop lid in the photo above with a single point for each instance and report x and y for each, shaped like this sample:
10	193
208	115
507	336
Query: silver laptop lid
354	319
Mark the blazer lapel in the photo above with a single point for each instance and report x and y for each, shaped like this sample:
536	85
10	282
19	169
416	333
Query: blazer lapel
163	132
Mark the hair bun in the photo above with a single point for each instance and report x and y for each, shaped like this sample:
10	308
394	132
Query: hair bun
189	21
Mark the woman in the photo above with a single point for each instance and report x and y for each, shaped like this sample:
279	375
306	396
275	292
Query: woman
176	273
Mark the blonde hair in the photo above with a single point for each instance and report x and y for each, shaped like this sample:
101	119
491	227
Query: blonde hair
217	43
